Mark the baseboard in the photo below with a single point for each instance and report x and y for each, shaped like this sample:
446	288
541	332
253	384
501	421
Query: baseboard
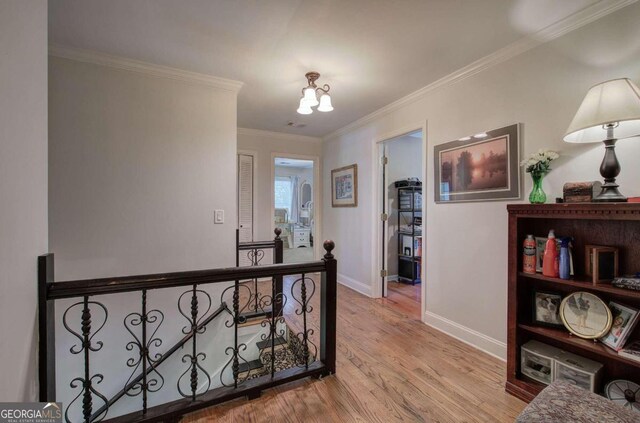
392	278
357	286
469	336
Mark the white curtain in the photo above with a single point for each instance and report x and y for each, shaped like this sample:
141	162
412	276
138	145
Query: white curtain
294	199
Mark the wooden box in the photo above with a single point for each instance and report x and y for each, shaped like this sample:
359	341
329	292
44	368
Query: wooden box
601	263
578	371
580	192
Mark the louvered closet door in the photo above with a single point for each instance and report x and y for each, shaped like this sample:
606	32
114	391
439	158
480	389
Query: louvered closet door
245	197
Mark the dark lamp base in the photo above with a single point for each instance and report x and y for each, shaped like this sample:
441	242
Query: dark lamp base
610	194
610	169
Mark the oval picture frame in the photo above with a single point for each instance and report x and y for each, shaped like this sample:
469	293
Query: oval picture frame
585	315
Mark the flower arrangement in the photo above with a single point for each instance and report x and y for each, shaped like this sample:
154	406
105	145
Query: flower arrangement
539	164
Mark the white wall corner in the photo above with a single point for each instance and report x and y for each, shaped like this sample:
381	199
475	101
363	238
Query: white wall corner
124	63
357	286
467	335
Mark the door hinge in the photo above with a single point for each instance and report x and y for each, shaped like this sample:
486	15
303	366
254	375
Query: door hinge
384	217
384	160
384	273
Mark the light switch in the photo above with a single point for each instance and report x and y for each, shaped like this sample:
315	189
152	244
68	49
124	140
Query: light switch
218	216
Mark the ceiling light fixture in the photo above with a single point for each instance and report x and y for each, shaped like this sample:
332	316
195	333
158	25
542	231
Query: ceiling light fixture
310	96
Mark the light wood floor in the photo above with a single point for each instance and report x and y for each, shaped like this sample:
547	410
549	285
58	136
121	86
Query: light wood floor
404	298
390	368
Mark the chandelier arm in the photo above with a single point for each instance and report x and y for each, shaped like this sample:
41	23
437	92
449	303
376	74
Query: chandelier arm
325	89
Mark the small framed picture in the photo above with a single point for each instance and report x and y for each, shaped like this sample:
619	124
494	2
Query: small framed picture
546	307
585	315
624	320
541	243
344	186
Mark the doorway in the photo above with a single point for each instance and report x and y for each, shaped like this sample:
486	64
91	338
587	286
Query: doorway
294	208
402	227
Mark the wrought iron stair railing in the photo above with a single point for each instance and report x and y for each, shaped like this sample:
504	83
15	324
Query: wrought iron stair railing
254	253
194	304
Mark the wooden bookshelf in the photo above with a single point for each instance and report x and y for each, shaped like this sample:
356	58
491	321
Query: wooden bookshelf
613	224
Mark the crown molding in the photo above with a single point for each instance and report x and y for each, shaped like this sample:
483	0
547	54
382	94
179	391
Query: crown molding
132	65
570	23
277	135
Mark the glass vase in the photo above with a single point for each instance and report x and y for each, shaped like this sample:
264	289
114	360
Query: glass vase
537	195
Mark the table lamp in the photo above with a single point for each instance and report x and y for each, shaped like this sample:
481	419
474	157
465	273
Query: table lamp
610	111
304	214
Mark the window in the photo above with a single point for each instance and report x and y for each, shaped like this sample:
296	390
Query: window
283	193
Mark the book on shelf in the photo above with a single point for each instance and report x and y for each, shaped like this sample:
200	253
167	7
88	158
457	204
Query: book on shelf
631	351
627	282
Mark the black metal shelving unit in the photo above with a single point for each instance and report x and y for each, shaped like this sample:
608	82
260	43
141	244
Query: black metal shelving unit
409	265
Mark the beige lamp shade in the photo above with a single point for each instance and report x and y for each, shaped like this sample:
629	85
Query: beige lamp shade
616	101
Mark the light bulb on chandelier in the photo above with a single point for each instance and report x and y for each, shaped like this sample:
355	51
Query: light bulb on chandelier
310	96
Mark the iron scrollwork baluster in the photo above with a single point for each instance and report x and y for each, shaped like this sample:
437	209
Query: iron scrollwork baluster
144	345
272	320
305	308
195	357
237	319
86	346
255	256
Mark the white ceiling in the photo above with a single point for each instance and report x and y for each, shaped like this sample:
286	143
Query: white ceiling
371	52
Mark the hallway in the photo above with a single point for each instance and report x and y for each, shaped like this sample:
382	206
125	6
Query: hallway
390	369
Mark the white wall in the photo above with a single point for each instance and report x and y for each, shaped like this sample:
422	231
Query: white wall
138	164
405	161
23	189
466	244
264	144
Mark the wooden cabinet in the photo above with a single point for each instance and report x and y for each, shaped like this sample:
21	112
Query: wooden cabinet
616	225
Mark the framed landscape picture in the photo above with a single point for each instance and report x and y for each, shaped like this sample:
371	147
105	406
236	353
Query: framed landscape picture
485	167
344	186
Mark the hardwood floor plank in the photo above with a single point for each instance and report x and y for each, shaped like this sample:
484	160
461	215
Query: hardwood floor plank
391	367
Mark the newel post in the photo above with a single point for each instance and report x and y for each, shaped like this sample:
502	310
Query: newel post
277	259
46	332
328	303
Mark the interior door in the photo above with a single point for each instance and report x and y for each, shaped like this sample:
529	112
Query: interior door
245	197
384	217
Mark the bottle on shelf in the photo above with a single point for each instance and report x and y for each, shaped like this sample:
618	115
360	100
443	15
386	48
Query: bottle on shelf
565	258
529	255
550	265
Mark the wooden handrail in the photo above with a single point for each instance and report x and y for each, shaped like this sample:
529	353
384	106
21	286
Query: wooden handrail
80	288
259	245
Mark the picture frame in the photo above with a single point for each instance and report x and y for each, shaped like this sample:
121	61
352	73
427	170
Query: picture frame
546	309
624	320
541	244
344	186
601	263
483	167
585	315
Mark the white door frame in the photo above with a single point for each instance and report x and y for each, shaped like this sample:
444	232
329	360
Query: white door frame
376	254
317	197
253	154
